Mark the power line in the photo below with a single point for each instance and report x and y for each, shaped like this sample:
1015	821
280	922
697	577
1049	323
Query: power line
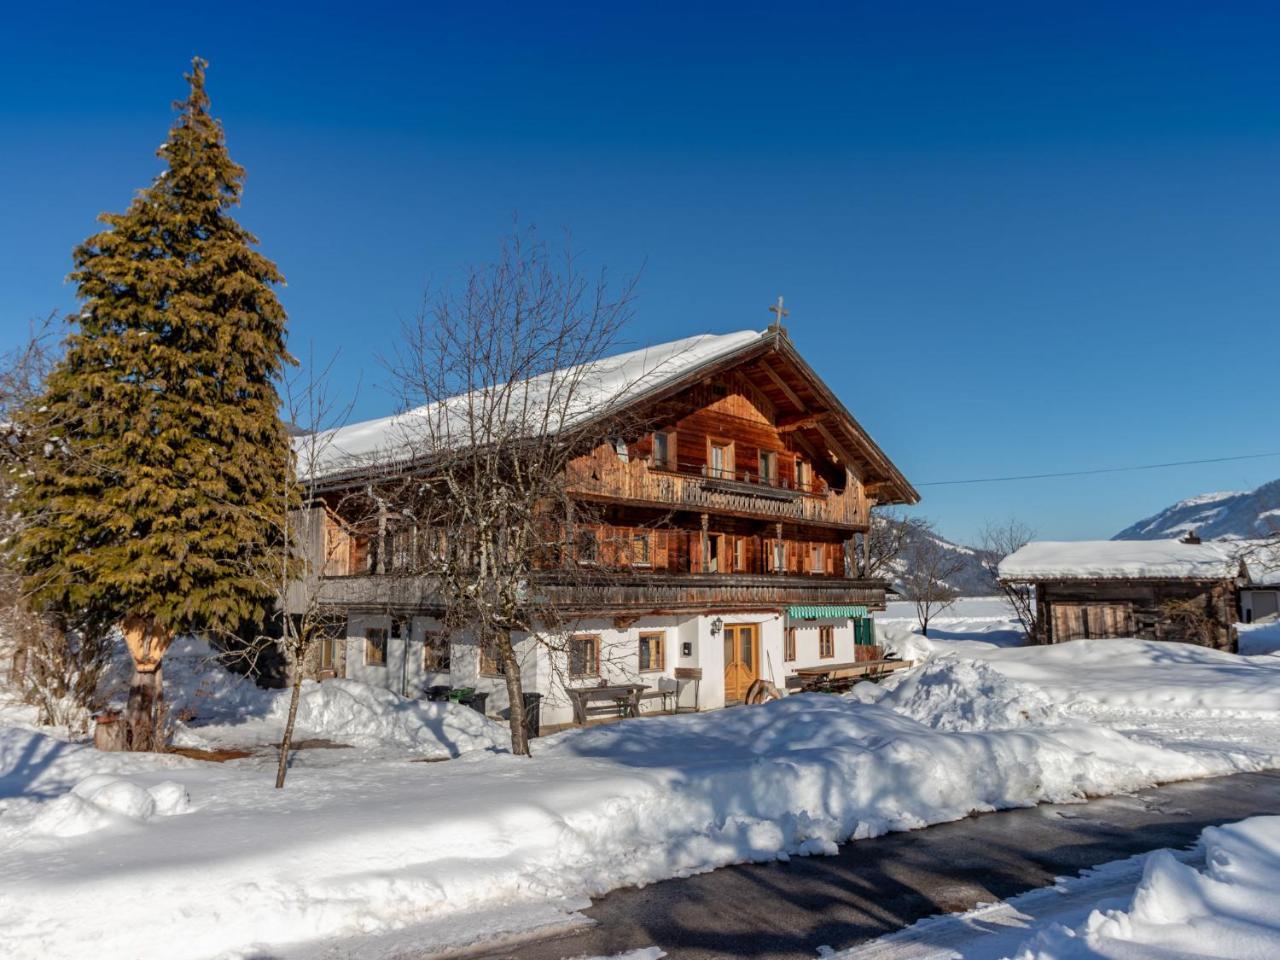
1086	473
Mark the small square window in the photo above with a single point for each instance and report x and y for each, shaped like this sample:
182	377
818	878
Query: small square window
584	656
375	647
491	664
435	652
652	652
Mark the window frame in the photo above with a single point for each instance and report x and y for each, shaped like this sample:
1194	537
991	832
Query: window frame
817	558
769	476
645	537
726	470
489	665
739	554
669	460
583	638
804	475
330	662
827	642
789	645
660	636
431	640
370	643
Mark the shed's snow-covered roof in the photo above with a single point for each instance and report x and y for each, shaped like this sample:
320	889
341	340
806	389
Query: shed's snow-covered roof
1122	560
604	384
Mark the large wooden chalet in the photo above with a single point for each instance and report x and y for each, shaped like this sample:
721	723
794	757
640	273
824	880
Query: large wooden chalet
741	510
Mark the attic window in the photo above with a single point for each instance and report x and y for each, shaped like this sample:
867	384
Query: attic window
719	390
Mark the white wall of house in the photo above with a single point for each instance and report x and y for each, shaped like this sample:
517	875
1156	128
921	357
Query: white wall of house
545	665
1261	605
808	653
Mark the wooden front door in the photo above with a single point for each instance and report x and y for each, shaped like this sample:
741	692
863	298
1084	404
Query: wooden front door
741	659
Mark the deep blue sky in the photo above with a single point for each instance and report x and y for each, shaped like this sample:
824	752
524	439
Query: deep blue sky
1015	238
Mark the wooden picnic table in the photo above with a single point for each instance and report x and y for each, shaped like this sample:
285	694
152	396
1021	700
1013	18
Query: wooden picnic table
622	696
841	673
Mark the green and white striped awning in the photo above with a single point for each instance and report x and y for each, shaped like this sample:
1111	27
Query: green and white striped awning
826	612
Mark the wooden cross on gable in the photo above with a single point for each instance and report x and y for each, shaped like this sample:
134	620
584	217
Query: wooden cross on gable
778	312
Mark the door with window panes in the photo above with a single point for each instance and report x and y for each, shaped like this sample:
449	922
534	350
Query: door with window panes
741	659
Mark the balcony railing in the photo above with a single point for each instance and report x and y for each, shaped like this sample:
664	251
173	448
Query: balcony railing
629	591
604	475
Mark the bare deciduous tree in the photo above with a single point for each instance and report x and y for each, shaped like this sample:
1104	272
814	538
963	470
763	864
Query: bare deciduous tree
998	541
887	540
507	387
930	563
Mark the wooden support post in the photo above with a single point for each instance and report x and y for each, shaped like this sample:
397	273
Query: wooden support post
706	544
380	562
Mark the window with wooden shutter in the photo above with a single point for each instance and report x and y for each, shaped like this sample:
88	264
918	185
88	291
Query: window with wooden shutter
652	652
661	548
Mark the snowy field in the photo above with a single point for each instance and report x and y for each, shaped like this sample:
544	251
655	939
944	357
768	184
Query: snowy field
370	849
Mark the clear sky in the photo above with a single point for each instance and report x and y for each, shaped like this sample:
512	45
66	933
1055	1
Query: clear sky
1015	238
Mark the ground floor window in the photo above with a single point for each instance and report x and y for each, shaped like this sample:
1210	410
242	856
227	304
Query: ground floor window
435	652
328	653
652	652
491	664
789	645
584	656
826	642
375	647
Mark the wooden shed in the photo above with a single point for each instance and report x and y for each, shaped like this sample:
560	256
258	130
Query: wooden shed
1152	589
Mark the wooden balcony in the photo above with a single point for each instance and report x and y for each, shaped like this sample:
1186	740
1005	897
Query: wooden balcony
603	475
625	591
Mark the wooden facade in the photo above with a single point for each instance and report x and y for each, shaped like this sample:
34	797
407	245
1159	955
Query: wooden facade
1187	611
748	469
721	525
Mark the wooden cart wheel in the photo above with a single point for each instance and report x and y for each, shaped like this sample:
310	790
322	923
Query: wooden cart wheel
762	691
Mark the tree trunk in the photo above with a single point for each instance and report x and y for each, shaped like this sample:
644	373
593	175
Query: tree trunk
144	716
287	740
515	695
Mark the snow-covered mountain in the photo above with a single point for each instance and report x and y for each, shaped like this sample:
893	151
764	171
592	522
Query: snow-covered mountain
1214	516
972	580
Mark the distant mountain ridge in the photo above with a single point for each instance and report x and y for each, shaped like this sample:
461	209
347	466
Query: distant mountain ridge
1214	516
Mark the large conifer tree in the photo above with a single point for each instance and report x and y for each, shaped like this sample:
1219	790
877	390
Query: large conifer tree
158	503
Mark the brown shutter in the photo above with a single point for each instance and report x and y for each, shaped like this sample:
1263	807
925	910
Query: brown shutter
658	550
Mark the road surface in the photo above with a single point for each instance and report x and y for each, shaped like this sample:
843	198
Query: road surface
786	911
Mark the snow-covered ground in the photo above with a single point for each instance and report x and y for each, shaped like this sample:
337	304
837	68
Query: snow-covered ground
170	857
1215	900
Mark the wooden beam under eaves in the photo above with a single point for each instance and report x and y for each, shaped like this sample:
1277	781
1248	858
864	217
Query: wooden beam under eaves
782	385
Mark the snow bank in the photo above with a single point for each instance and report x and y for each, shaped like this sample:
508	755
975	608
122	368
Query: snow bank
102	800
375	845
363	715
967	695
36	766
1226	908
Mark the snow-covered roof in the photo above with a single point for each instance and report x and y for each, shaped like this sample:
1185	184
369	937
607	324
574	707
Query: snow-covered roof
1122	560
604	384
1262	558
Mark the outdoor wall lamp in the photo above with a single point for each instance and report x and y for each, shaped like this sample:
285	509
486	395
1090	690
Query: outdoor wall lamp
716	626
